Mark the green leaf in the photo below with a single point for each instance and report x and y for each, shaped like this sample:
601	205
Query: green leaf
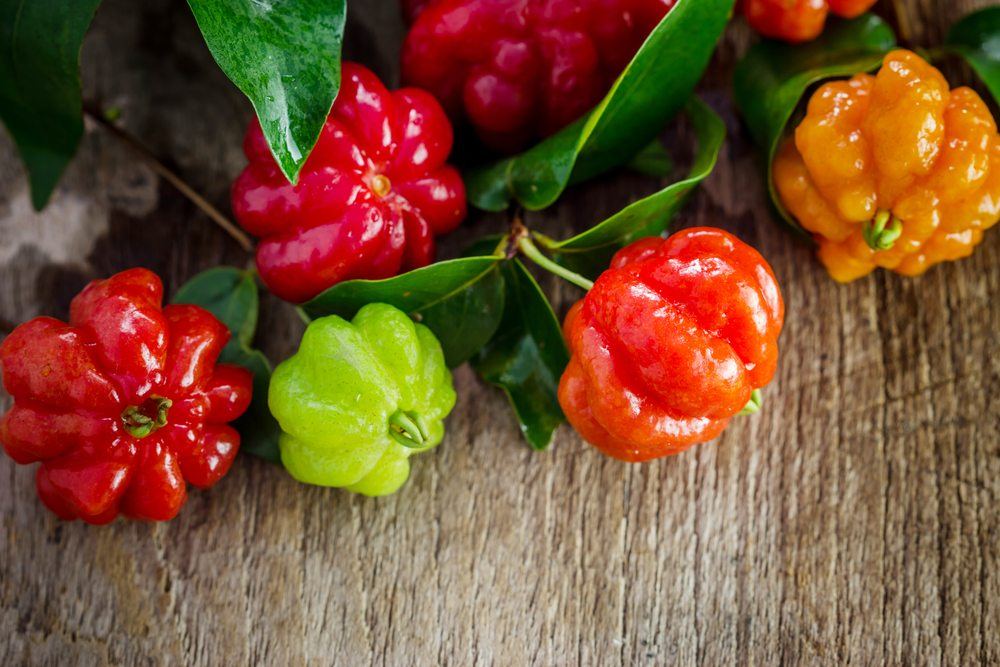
773	76
460	300
590	251
527	356
228	293
977	39
285	57
651	90
653	160
231	295
40	103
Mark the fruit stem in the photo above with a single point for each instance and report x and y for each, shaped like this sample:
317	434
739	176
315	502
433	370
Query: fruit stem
753	405
408	429
522	238
882	232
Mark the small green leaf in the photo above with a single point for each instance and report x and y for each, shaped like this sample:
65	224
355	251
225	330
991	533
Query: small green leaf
653	160
231	295
773	76
589	252
651	90
977	39
460	300
40	103
285	57
527	356
228	293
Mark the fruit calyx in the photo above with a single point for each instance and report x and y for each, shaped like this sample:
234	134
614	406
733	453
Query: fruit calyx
151	416
882	231
408	429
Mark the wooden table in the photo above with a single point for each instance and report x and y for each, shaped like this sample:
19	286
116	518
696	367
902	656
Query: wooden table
854	520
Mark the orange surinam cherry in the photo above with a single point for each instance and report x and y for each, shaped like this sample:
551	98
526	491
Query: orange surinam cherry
892	170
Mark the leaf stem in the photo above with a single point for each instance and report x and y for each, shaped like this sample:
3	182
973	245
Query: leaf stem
531	251
171	177
519	240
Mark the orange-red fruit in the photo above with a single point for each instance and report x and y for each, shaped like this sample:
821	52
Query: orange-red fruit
798	20
670	343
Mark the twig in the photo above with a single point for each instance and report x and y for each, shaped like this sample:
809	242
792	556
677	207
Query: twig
519	241
171	177
6	326
531	251
516	229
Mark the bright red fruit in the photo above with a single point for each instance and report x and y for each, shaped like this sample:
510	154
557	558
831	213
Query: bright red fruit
370	199
519	70
124	405
670	343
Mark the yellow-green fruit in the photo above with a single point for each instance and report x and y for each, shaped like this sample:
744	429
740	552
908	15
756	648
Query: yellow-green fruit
359	398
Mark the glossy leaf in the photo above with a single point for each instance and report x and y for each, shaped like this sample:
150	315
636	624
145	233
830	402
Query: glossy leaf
651	90
773	76
228	293
460	300
285	57
527	356
40	103
977	39
232	296
590	251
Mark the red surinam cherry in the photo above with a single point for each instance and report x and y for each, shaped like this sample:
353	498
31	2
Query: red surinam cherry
125	405
370	199
520	70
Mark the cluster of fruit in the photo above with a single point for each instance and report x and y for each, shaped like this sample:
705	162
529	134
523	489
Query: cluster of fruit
127	404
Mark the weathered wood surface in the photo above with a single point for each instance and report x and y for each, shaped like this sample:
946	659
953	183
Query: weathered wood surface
855	520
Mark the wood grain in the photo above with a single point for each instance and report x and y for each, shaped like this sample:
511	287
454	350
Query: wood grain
855	520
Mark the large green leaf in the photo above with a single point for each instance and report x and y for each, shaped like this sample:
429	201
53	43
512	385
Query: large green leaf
773	76
590	251
231	295
527	356
40	104
653	88
460	300
285	57
977	39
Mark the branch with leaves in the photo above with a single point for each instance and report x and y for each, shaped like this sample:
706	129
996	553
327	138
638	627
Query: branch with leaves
286	59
